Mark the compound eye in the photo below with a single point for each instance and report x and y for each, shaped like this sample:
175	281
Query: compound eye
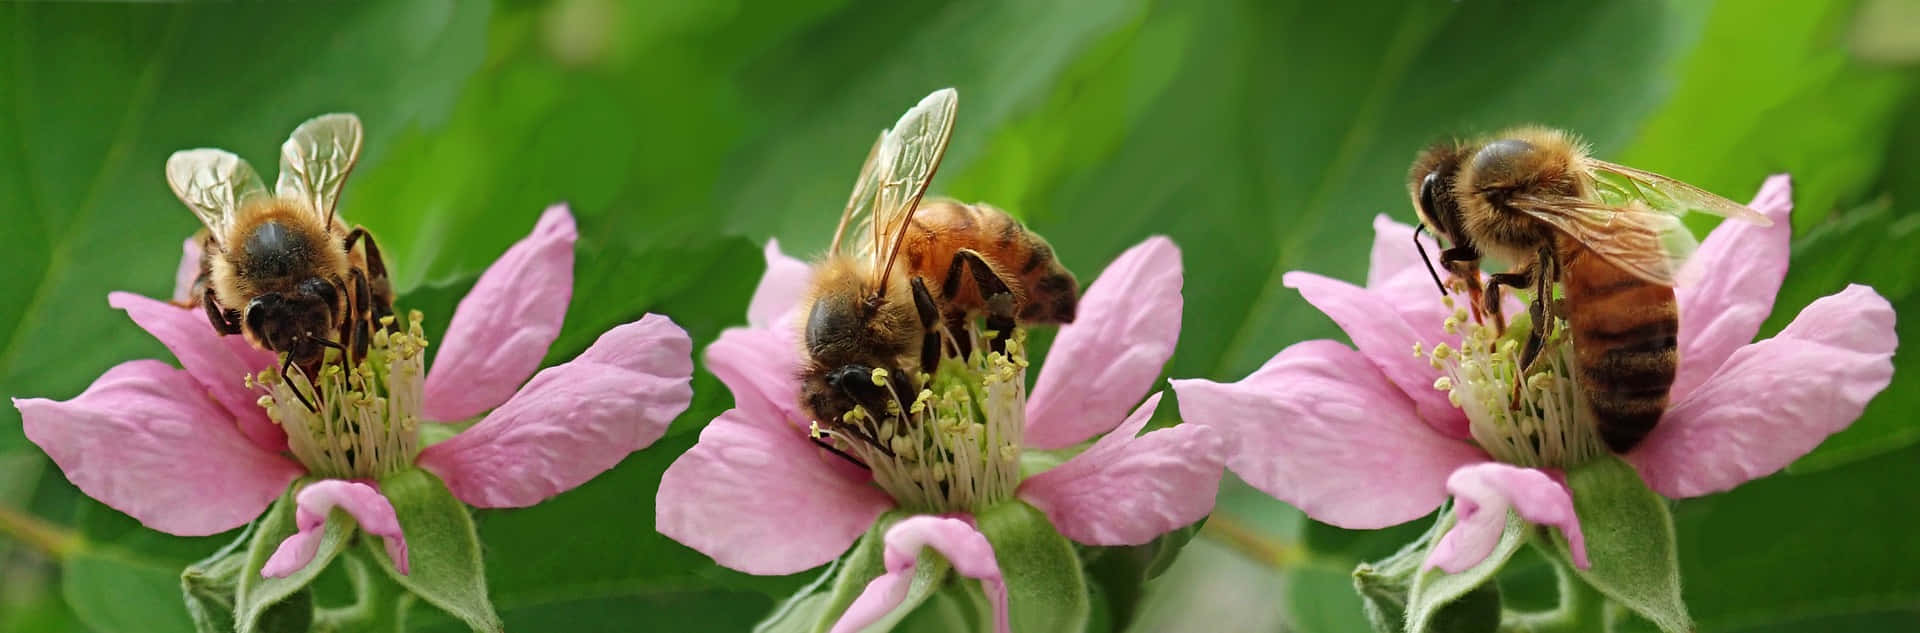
1429	195
259	311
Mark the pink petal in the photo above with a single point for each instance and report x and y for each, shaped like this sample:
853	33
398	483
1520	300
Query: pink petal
368	507
145	440
220	364
957	541
188	272
1775	400
1385	337
1126	490
780	289
1127	324
1319	428
1723	309
574	420
758	497
1396	272
760	366
1482	495
503	327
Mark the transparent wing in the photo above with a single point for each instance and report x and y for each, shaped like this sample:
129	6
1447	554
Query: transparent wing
316	158
859	209
1648	244
905	162
1620	185
213	183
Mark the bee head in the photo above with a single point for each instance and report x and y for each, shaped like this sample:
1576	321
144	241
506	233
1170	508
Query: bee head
297	323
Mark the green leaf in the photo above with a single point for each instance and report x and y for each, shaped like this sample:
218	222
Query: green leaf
1119	574
443	551
1629	540
1046	589
211	585
858	567
257	599
113	593
1430	603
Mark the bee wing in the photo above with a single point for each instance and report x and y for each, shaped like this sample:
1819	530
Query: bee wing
1620	184
315	160
860	204
908	155
1648	244
213	183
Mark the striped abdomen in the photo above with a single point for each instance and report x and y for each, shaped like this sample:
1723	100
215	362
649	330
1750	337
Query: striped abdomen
1044	291
1624	340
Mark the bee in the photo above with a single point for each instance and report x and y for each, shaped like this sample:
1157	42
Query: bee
1610	237
871	313
281	268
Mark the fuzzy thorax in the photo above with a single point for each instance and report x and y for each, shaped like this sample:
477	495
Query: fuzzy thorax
956	447
1546	423
368	423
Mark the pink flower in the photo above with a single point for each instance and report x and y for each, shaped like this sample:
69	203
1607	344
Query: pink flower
192	452
1362	439
758	496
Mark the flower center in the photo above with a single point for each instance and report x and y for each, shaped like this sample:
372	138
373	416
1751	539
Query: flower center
367	425
956	447
1539	419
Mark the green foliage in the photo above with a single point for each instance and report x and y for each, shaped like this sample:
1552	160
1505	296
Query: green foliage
443	551
1629	539
1262	136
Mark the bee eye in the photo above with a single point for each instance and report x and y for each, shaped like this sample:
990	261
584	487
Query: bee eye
1429	191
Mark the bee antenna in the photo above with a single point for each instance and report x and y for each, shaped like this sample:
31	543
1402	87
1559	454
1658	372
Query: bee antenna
1426	260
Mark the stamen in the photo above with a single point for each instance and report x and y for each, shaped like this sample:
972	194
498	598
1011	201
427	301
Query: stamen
1545	422
956	446
367	422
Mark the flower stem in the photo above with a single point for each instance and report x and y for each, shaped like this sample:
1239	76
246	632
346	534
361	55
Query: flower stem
55	541
1249	542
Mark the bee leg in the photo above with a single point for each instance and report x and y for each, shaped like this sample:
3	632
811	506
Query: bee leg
1490	302
382	288
224	321
360	315
993	289
929	318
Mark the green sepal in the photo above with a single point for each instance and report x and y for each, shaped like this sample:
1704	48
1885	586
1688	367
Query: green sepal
1046	588
443	550
1431	602
265	604
865	562
1121	573
209	586
1399	597
1630	541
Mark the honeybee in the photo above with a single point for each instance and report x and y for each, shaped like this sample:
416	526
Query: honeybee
873	311
281	268
1608	234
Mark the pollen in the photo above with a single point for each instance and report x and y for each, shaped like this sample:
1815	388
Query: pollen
364	422
1532	418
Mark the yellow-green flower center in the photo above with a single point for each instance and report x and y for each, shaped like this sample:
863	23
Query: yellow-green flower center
1543	421
956	447
367	425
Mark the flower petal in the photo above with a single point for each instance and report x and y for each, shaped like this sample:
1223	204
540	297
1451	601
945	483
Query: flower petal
1385	337
957	541
758	497
780	289
1319	428
189	271
574	420
1128	322
1482	495
760	365
1721	311
220	364
1127	490
1775	400
369	508
145	440
503	327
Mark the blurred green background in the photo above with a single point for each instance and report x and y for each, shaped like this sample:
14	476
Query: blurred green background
1262	135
